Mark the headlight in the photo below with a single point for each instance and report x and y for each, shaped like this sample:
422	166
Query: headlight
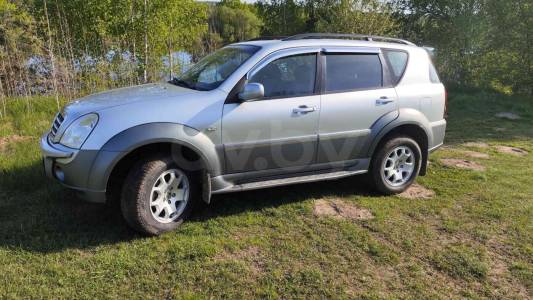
79	131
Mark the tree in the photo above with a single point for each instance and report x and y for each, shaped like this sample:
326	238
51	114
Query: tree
18	42
480	43
234	21
352	16
281	17
288	17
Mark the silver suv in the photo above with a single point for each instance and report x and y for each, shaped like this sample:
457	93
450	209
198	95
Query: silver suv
252	115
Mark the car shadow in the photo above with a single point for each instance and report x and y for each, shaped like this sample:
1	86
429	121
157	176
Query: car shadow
256	200
39	215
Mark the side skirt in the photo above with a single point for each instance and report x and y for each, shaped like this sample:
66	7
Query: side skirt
226	184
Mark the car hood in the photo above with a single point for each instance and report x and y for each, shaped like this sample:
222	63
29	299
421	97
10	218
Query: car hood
123	96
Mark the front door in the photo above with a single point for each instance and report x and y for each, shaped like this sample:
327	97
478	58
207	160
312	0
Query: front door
355	97
280	130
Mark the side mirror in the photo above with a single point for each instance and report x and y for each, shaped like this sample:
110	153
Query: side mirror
252	91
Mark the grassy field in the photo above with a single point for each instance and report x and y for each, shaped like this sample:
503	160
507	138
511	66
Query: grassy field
474	239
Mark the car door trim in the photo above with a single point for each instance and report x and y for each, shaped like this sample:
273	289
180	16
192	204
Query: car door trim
344	134
270	142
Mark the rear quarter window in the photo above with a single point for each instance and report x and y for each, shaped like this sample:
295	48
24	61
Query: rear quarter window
397	60
433	75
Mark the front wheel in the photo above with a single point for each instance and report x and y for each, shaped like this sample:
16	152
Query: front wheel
396	165
158	196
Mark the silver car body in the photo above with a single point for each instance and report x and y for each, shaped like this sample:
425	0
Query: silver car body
252	144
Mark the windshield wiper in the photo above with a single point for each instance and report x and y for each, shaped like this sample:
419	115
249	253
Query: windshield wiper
182	83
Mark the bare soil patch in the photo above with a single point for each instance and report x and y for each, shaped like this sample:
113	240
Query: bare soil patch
475	154
476	145
251	255
507	115
416	191
6	140
339	209
462	164
511	150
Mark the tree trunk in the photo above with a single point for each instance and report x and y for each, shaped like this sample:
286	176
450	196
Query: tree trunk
145	74
170	61
51	54
3	114
134	44
4	71
69	76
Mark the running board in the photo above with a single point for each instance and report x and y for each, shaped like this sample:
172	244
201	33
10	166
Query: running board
287	181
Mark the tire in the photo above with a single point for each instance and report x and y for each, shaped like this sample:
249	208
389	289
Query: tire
149	187
385	175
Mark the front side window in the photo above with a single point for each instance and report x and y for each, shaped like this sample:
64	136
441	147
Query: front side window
211	71
290	76
346	72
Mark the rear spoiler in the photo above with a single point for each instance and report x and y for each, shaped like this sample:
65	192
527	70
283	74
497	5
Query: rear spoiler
430	50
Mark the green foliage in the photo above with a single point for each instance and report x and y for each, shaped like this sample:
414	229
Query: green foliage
339	16
282	17
461	261
351	16
484	44
18	42
234	21
101	44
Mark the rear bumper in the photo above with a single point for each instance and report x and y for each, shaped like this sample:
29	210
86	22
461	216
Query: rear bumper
71	168
438	131
434	148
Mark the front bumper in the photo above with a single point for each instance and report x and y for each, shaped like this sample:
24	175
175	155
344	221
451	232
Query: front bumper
71	168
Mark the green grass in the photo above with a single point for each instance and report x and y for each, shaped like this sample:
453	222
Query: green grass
473	240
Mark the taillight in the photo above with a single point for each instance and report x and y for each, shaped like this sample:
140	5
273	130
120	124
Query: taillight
445	103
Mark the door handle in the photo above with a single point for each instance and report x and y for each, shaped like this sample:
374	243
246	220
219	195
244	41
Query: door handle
383	101
304	109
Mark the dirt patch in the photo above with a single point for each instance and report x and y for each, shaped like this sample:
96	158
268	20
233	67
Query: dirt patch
416	191
511	150
476	145
339	209
475	154
252	256
507	115
6	140
462	164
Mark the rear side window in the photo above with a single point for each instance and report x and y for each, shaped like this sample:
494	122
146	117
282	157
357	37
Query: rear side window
398	63
346	72
433	75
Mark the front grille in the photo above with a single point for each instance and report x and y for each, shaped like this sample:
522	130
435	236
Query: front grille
56	124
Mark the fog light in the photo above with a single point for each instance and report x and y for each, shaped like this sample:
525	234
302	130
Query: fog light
59	174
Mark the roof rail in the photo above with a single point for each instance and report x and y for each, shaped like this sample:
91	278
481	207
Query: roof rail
266	38
370	38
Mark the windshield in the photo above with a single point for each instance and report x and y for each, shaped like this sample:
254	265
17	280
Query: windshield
212	70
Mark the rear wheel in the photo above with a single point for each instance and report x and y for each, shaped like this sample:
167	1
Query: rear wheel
158	195
396	165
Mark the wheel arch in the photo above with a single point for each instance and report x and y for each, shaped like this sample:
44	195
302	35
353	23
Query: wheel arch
412	123
120	152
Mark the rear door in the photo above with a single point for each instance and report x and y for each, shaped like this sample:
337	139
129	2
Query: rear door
356	93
